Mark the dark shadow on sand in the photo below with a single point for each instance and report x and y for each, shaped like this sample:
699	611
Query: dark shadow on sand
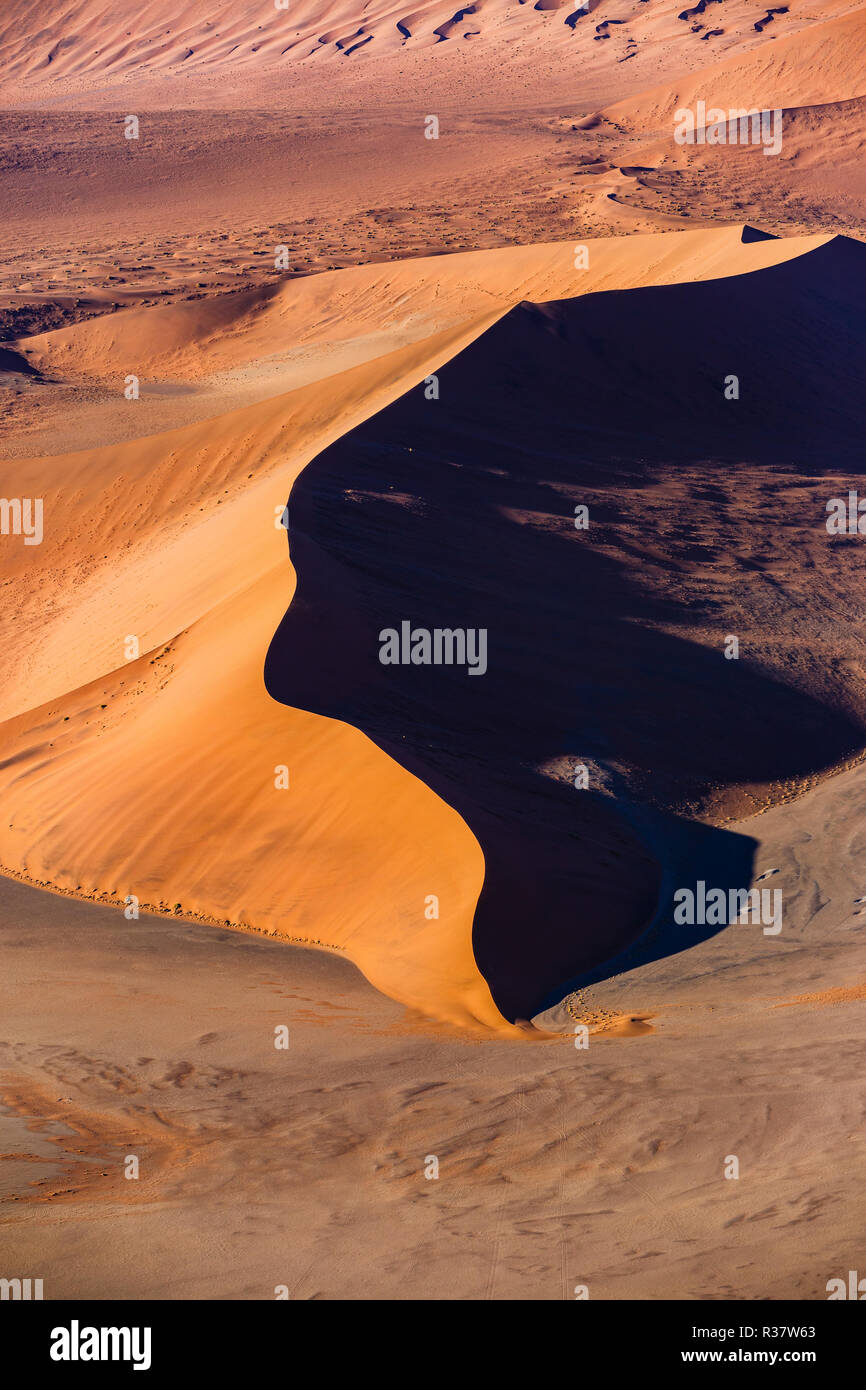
458	512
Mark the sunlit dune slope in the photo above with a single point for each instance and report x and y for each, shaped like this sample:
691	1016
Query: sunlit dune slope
155	776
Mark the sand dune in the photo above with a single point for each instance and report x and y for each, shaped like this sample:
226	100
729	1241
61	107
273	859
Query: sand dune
240	52
115	799
823	63
195	469
375	307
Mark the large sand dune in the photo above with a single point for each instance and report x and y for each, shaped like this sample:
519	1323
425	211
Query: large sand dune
163	784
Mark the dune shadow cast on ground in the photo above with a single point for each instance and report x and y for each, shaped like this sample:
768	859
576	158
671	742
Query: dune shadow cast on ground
605	645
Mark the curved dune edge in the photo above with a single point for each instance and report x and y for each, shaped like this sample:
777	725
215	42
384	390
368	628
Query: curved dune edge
155	777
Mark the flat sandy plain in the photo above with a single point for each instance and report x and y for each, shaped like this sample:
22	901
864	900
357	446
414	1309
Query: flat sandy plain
560	1167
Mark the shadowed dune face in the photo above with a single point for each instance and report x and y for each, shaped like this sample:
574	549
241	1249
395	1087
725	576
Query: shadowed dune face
605	646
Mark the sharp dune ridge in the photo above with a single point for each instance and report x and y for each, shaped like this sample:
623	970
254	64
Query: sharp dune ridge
122	738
